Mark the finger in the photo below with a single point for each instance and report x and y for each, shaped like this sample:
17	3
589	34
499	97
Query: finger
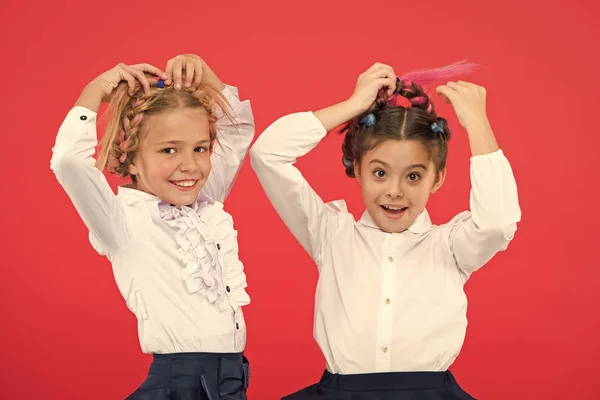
392	86
177	69
198	73
386	74
385	82
141	77
381	65
169	71
375	67
130	81
190	70
386	70
468	85
381	73
454	86
151	69
448	93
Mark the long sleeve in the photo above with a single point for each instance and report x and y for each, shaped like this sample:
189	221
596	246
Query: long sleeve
272	157
476	236
73	165
233	139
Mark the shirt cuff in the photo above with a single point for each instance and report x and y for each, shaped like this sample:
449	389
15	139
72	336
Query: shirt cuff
316	125
496	155
81	114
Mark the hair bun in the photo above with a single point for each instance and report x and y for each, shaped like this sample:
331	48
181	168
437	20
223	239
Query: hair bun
349	164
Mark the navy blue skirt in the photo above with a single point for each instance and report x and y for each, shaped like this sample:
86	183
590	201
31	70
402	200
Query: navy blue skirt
195	376
384	386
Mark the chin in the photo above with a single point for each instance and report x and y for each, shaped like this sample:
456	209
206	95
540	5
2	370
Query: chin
183	200
391	226
393	229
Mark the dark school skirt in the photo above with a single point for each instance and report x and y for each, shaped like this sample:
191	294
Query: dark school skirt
384	386
195	376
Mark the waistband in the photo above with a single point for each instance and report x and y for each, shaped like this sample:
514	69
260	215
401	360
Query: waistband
218	374
388	381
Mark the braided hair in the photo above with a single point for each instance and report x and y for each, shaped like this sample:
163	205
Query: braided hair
129	114
389	120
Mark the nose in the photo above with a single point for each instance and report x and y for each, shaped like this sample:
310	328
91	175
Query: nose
395	190
188	163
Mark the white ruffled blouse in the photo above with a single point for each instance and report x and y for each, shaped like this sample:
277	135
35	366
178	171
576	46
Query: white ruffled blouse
177	267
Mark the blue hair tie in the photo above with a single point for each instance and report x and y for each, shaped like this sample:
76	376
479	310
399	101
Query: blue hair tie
347	163
438	127
368	120
160	84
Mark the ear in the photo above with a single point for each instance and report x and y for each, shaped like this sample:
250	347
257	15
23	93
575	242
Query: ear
441	176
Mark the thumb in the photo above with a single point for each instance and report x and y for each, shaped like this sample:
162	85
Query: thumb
445	92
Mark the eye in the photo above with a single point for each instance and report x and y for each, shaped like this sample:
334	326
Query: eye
413	177
169	150
379	173
200	149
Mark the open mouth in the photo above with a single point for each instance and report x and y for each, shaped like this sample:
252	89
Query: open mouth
393	211
184	186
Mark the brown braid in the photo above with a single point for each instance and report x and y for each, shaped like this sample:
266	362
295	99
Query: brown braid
391	121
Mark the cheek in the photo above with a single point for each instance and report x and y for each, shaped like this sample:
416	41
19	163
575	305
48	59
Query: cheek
159	167
205	165
371	189
420	193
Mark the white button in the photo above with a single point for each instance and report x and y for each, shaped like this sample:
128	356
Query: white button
385	349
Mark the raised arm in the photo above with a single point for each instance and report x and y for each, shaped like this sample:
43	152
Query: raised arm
476	236
73	164
276	150
272	157
234	132
233	139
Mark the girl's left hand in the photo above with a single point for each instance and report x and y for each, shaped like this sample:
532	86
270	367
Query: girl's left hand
189	70
468	101
184	69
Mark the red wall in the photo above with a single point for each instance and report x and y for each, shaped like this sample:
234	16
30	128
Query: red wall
65	330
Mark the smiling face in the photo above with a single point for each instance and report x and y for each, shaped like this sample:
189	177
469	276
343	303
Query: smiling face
396	178
173	161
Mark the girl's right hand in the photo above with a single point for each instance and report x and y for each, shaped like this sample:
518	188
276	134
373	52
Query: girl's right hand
368	85
107	82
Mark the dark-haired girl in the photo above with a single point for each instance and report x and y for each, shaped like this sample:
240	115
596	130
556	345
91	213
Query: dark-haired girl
390	313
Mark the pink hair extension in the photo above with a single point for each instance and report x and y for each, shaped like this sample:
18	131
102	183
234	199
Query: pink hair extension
124	144
124	147
424	77
113	164
418	100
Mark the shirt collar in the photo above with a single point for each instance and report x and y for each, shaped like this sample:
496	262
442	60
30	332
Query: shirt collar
422	223
128	190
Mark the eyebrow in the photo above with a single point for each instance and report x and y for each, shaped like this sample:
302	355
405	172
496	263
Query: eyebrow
413	166
180	142
379	162
417	166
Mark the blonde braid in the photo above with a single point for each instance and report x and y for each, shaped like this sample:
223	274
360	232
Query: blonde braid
127	143
122	139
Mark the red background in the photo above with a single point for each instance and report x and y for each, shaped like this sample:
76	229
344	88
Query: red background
66	333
